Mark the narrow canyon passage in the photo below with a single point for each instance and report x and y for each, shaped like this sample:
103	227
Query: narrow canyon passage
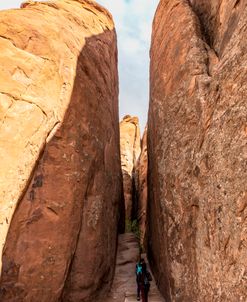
82	195
124	283
132	245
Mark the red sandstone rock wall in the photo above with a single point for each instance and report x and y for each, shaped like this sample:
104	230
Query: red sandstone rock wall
142	188
197	142
59	152
130	146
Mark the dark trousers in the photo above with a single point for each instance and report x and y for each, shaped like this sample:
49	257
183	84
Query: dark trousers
144	294
138	289
143	290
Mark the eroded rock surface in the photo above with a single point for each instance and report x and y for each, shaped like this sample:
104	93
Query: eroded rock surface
219	20
59	151
142	189
130	146
197	142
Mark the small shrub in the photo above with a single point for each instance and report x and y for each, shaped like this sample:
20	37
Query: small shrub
133	227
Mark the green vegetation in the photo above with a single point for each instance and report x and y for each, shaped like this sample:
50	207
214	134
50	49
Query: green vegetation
133	227
128	226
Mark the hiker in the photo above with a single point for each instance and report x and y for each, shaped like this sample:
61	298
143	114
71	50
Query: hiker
139	272
142	281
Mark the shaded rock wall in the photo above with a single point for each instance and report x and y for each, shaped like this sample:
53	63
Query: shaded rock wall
130	146
59	152
197	150
142	188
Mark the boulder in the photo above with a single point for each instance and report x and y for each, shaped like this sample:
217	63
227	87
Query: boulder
197	150
61	179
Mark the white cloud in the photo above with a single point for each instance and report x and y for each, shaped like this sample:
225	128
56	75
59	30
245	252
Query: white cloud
133	19
131	46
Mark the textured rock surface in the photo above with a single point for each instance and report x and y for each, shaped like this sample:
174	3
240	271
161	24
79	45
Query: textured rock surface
219	19
59	151
197	150
142	188
130	146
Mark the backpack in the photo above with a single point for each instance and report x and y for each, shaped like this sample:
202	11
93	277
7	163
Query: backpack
149	277
138	269
146	283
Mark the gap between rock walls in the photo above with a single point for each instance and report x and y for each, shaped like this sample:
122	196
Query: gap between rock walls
74	182
134	169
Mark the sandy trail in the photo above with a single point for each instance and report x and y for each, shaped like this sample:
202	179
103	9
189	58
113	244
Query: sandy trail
124	284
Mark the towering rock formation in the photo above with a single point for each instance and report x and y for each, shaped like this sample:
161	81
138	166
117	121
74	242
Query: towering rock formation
59	151
197	138
130	146
142	188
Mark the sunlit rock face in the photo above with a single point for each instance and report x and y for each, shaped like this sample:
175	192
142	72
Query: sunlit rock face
197	142
142	189
130	146
59	151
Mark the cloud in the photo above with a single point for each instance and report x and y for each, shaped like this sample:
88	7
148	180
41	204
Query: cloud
10	4
133	19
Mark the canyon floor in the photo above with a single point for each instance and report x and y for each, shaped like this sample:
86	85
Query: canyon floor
124	284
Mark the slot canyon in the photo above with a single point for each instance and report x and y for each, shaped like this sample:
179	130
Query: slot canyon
83	195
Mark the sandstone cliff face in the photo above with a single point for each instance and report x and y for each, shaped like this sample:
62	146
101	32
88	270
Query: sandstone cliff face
130	146
142	188
197	150
59	151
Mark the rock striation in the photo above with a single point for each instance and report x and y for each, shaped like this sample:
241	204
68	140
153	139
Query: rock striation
130	146
142	189
197	138
60	171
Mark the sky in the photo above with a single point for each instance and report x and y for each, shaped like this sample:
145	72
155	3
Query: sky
133	20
